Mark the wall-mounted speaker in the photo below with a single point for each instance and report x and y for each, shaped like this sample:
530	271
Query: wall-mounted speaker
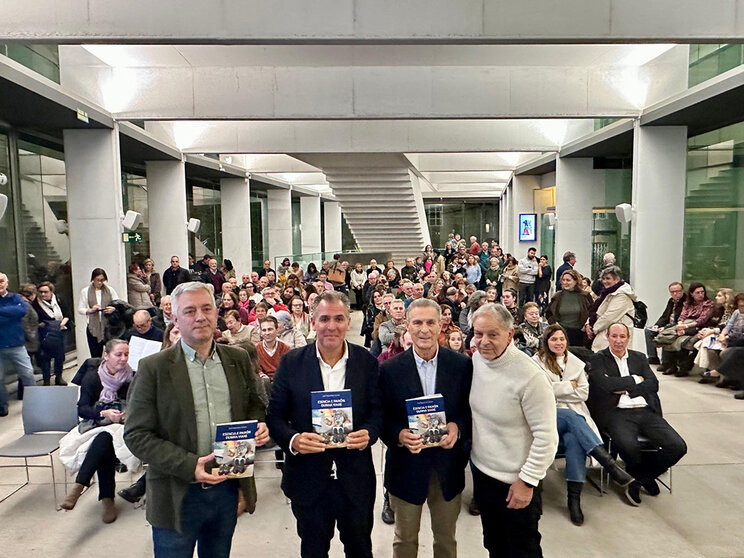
132	220
193	225
624	212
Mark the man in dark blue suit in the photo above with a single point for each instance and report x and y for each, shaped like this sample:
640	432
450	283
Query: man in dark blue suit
328	487
436	475
624	402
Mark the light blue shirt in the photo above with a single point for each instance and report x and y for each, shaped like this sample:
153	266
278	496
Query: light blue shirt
427	371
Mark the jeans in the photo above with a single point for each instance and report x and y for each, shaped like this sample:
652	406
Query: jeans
22	364
208	518
578	439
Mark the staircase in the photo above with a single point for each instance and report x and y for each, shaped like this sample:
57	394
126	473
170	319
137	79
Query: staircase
36	243
380	200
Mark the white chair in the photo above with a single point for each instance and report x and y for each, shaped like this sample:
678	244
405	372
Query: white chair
49	412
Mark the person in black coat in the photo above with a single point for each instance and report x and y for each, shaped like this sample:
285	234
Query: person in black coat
328	487
624	402
54	322
175	275
436	475
103	391
670	316
569	261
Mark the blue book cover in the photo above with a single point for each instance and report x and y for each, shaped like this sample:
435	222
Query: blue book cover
426	418
332	416
235	448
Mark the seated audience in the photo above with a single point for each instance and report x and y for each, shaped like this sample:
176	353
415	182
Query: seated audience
624	400
103	395
527	334
144	328
697	313
237	331
669	317
730	372
579	436
286	332
300	318
707	346
397	318
270	349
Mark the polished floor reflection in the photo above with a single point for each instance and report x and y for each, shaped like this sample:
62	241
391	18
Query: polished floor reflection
702	518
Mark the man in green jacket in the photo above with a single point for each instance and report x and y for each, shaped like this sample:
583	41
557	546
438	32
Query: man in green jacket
178	398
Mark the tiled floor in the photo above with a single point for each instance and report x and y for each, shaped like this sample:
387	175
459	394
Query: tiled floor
703	517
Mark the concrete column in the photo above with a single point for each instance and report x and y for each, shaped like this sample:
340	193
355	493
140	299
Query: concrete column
94	208
657	228
279	204
236	223
310	227
333	239
578	191
166	203
522	201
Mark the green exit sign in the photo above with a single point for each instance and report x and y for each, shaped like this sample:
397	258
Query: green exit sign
129	237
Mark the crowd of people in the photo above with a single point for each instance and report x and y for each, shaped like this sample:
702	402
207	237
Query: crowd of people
532	364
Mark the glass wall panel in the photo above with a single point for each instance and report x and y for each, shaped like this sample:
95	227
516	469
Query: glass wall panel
296	231
43	221
134	198
42	59
466	218
714	209
707	61
608	234
8	254
204	203
258	210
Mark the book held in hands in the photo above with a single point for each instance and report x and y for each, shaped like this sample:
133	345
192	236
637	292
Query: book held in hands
332	416
235	448
426	418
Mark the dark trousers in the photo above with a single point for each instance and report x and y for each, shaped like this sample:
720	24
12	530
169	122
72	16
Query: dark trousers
48	352
526	293
208	517
316	524
506	533
576	337
100	459
94	345
624	427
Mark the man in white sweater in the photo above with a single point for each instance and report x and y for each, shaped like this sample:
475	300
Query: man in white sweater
514	436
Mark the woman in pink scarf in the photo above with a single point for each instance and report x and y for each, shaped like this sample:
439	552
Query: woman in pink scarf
103	392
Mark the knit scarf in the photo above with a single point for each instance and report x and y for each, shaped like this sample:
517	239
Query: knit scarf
597	303
112	383
95	321
51	308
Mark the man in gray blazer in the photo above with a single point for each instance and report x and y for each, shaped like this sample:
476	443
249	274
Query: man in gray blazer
178	398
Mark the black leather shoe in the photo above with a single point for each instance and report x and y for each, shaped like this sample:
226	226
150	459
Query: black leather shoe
723	382
706	378
681	373
651	487
633	493
739	395
388	516
3	411
134	493
671	371
473	508
654	360
59	381
664	367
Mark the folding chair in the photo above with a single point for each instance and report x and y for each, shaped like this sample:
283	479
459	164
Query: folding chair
49	412
646	447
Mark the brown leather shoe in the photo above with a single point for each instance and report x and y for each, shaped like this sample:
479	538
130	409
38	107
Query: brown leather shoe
72	496
109	510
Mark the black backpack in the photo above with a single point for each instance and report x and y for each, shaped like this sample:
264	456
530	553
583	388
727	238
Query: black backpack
641	314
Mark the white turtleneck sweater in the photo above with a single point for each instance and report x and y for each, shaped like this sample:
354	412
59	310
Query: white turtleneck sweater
514	418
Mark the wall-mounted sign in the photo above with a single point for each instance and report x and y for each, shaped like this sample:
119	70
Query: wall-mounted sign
527	226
